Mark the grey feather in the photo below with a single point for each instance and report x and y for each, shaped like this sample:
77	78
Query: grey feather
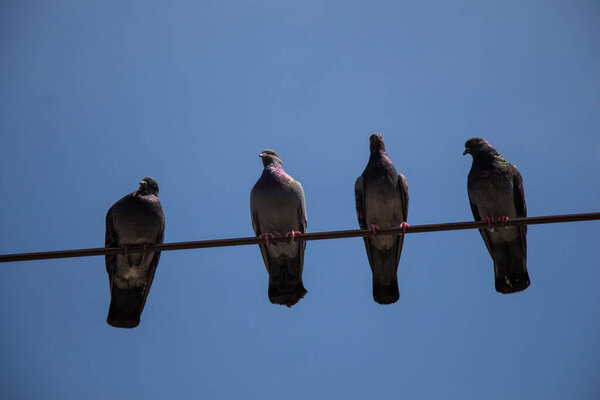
277	206
137	218
381	196
495	189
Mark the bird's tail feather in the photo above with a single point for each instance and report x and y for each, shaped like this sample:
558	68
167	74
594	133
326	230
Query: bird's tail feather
286	295
510	268
384	265
285	281
386	293
125	307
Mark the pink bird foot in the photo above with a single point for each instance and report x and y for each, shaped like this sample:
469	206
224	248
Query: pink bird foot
292	234
125	249
503	219
266	236
489	222
373	229
404	225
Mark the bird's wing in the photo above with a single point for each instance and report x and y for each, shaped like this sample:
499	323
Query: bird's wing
483	232
359	196
302	209
258	231
111	239
403	188
152	270
301	219
520	206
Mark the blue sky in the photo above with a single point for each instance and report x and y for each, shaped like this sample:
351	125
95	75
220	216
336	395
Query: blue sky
96	95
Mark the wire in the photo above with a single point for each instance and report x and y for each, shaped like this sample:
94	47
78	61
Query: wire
244	241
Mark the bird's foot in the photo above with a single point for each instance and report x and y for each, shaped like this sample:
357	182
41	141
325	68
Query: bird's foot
489	221
503	220
125	249
403	226
292	234
266	236
145	250
373	229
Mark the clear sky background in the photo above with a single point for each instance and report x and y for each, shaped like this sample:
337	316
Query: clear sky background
95	95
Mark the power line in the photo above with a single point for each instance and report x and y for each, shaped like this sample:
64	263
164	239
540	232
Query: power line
244	241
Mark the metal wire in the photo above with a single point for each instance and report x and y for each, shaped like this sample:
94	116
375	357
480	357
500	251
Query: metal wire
244	241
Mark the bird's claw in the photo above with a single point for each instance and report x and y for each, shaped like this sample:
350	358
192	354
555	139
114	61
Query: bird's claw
266	236
125	249
292	234
503	220
489	221
145	250
373	229
403	226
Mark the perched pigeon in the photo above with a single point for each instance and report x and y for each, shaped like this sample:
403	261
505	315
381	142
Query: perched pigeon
382	201
277	207
496	194
136	219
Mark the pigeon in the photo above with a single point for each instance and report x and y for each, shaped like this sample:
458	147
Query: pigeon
495	190
381	196
277	207
136	219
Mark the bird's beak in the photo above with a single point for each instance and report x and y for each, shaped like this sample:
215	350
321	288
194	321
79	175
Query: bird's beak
466	152
261	155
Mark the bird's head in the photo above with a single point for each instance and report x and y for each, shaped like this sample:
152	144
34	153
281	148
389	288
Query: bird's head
148	186
376	143
270	157
476	146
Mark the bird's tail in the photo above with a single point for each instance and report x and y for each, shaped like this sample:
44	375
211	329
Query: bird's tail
384	265
387	293
285	282
510	268
125	307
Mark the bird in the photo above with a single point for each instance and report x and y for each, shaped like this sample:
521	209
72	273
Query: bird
381	196
495	189
277	207
136	219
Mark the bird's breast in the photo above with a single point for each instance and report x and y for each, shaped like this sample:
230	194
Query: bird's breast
493	195
138	223
278	216
383	204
